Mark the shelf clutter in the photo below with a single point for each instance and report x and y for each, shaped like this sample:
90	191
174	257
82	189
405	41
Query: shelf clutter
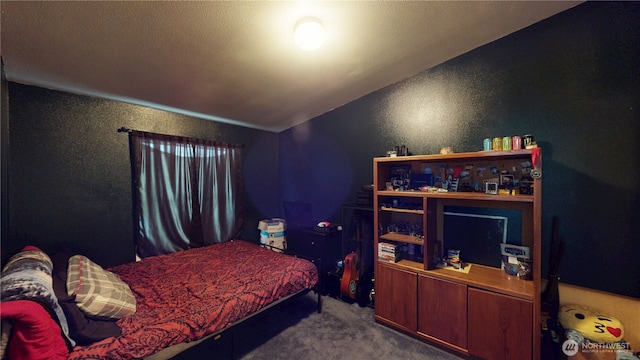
425	205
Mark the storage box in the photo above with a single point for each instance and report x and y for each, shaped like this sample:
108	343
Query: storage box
272	225
273	234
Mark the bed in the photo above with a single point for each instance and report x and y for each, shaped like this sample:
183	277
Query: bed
188	296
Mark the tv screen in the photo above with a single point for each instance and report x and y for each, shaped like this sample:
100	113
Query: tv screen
478	232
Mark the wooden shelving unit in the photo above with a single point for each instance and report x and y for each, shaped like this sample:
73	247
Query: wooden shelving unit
409	291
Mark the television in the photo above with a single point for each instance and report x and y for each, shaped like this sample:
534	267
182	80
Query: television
478	232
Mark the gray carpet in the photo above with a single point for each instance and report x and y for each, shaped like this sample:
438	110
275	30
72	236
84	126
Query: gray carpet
342	330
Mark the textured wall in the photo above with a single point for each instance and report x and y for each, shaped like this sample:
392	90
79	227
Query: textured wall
4	151
70	177
572	80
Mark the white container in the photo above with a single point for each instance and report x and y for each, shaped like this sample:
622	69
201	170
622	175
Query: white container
273	234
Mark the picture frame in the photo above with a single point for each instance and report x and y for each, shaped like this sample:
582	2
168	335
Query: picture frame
491	187
400	176
506	180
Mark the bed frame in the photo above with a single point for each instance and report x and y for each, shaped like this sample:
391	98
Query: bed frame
204	301
224	339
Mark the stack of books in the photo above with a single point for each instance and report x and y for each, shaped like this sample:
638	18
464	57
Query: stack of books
388	252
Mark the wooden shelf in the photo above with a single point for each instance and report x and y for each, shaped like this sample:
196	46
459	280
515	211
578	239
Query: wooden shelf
475	155
392	236
457	196
407	264
408	211
479	276
489	278
412	294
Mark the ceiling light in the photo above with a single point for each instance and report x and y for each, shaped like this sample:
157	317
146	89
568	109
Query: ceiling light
309	33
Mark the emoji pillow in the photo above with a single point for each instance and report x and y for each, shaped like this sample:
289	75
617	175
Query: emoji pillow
591	323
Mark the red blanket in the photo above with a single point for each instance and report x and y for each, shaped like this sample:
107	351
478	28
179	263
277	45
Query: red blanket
35	335
185	296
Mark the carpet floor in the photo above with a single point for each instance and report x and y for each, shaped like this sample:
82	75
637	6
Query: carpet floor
342	330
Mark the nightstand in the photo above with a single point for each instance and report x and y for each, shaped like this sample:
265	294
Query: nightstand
323	249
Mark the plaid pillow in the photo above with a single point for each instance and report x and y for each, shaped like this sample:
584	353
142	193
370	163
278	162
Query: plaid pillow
98	292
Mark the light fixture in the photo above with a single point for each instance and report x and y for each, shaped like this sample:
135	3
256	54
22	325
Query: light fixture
309	33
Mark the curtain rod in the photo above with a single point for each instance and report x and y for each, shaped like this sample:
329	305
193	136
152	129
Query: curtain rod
127	130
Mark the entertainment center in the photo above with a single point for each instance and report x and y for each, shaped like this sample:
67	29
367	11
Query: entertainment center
426	206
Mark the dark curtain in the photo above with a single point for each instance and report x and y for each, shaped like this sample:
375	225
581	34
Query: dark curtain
187	192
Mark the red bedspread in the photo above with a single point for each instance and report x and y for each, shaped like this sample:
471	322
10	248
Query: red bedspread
187	295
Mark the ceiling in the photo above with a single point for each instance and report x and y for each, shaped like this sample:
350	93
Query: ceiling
235	61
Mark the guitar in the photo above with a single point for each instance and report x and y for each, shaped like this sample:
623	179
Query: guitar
349	282
351	275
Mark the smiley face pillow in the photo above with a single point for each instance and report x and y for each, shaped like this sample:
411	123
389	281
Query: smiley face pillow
591	323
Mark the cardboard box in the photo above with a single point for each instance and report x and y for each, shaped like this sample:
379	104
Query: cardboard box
273	234
272	225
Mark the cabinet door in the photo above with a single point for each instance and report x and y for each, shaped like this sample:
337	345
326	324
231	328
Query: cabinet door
442	310
396	296
500	326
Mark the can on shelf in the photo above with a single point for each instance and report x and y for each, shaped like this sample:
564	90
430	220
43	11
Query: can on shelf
516	142
497	143
486	144
527	140
506	143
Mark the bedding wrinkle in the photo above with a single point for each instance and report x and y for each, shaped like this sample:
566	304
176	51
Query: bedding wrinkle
188	295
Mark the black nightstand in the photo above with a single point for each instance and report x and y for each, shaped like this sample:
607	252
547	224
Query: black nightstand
323	249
